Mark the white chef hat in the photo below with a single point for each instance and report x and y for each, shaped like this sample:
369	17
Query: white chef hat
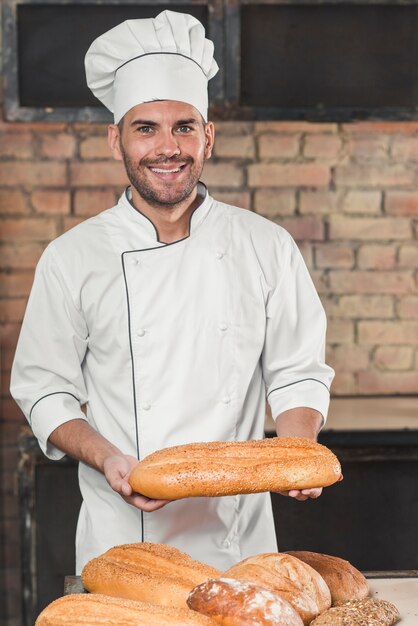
162	58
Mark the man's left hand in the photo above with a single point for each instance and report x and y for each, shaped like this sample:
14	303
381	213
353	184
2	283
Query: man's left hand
304	494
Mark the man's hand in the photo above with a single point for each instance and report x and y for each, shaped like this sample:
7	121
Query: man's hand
116	469
304	494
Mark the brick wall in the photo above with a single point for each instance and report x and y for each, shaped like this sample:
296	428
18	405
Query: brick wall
348	193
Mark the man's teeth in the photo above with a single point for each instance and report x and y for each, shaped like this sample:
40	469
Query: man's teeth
160	171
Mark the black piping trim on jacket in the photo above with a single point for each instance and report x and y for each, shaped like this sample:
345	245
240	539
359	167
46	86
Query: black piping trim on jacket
296	383
147	54
54	393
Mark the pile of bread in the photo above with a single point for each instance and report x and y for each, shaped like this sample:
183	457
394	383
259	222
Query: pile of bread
156	584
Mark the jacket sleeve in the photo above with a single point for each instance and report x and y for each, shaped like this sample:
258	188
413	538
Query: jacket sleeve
47	379
293	358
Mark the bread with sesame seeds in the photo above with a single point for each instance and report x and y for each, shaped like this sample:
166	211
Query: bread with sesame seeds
367	612
224	468
151	572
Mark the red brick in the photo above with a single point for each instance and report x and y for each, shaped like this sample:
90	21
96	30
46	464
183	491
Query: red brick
7	356
9	334
95	147
28	229
288	175
388	332
16	145
344	384
57	146
97	174
240	199
15	285
405	148
306	251
274	146
393	357
233	128
381	127
39	174
320	280
377	257
385	383
10	411
319	202
13	201
371	282
5	384
334	255
235	146
364	228
295	127
366	306
9	432
20	255
88	202
223	175
408	256
51	202
27	126
408	307
304	228
402	202
369	148
348	358
70	222
274	202
12	310
340	331
373	176
327	147
362	202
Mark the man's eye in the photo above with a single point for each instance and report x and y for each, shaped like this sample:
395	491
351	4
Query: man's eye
144	130
184	129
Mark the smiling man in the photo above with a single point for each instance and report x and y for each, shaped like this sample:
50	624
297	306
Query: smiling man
170	316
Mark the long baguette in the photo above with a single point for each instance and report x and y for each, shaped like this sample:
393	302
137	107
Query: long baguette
222	468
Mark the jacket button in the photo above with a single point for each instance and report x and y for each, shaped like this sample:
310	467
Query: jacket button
226	400
223	327
141	332
145	406
219	255
135	261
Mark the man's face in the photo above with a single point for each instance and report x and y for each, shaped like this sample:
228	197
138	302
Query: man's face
164	146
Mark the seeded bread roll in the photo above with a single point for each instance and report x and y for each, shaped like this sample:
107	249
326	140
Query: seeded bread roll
239	603
345	582
151	572
368	612
296	582
98	610
222	468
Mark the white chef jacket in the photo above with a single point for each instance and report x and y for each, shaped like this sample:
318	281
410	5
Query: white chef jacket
168	344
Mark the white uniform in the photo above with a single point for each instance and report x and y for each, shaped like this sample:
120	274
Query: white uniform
170	344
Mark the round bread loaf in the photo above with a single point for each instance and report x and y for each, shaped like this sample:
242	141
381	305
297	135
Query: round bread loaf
99	610
151	572
345	582
370	612
296	582
239	603
222	468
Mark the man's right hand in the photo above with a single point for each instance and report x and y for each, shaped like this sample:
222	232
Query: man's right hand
117	469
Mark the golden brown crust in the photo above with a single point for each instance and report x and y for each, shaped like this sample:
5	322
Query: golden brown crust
345	582
99	610
221	468
367	612
296	582
240	603
151	572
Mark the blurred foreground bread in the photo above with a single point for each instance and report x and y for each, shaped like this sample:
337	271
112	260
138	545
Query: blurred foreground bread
221	468
239	603
368	612
345	582
98	610
151	572
296	582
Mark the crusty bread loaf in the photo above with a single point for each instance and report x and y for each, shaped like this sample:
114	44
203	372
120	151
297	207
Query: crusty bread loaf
221	468
367	612
99	610
151	572
240	603
295	581
345	582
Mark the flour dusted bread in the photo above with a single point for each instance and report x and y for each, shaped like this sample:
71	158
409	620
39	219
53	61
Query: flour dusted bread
151	572
345	582
296	582
240	603
367	612
99	610
223	468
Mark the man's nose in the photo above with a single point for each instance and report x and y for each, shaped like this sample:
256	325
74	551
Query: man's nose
167	144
